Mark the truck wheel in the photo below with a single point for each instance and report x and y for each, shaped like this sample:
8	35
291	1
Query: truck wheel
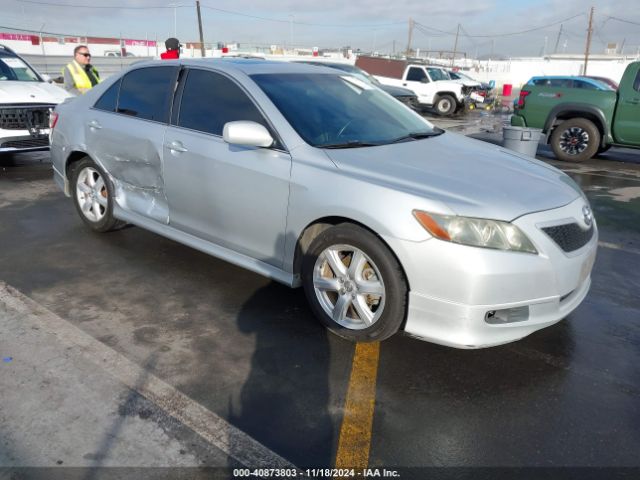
445	105
575	140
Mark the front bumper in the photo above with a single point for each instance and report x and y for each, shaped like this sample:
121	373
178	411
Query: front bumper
23	141
454	288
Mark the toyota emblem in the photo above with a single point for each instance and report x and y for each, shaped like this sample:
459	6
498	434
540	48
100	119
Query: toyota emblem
587	216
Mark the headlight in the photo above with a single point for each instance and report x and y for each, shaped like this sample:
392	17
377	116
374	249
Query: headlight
476	232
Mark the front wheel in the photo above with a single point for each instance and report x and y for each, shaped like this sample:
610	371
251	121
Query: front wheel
575	140
354	284
445	105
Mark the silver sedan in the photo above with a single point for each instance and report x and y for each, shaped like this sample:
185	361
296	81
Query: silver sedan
310	176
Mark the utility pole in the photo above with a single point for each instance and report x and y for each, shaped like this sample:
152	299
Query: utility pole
394	48
200	28
455	47
555	50
588	46
408	52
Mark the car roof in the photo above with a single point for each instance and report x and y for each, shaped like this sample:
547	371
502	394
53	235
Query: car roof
248	66
347	67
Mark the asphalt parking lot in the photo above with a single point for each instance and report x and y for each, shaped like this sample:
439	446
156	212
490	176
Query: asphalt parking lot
129	350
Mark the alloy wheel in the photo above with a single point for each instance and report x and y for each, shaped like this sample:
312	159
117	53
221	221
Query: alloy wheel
349	287
574	140
92	194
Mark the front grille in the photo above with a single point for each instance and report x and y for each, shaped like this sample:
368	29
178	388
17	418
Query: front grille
28	143
25	117
569	237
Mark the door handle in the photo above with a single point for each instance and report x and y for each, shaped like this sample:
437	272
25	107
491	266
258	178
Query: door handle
93	124
404	84
176	146
635	101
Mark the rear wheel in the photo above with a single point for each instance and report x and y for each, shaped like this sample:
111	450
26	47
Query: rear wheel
354	284
575	140
93	196
445	105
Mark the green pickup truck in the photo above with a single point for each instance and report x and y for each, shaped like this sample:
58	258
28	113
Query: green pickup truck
580	123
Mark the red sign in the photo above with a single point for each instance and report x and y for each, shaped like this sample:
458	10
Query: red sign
15	36
140	43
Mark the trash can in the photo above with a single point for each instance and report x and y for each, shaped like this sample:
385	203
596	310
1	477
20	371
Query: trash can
521	139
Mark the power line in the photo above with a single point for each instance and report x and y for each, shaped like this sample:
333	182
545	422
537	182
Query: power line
622	20
269	19
208	7
542	27
426	32
122	7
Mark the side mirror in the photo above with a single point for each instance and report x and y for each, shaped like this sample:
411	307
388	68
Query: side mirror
46	78
250	134
424	80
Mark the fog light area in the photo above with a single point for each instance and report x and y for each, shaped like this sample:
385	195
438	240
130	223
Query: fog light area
509	315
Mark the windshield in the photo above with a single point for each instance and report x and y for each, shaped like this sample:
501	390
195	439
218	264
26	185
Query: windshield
329	110
437	74
13	68
462	76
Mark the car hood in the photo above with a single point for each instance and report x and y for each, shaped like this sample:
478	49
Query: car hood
472	178
397	91
468	83
31	92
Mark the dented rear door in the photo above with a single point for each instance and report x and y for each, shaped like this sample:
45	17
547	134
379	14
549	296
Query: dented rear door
128	142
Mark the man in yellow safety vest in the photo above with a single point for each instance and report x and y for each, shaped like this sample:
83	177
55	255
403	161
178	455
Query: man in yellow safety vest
80	75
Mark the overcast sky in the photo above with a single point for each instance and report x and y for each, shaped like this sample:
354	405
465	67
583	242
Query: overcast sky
364	24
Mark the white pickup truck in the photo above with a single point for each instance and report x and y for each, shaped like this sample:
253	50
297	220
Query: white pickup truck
432	85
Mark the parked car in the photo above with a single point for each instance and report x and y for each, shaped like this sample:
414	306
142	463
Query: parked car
26	99
316	178
469	81
432	84
404	95
581	122
117	53
612	83
569	82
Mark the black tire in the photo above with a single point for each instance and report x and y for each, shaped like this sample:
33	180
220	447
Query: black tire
107	222
387	271
603	149
575	140
445	105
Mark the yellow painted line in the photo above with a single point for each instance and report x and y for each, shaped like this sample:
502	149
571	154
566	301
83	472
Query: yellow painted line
355	433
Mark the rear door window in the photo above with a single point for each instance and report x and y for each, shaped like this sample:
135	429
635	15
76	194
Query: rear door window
209	100
109	99
146	93
584	85
416	74
636	83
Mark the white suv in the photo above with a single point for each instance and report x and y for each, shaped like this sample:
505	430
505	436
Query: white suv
26	100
